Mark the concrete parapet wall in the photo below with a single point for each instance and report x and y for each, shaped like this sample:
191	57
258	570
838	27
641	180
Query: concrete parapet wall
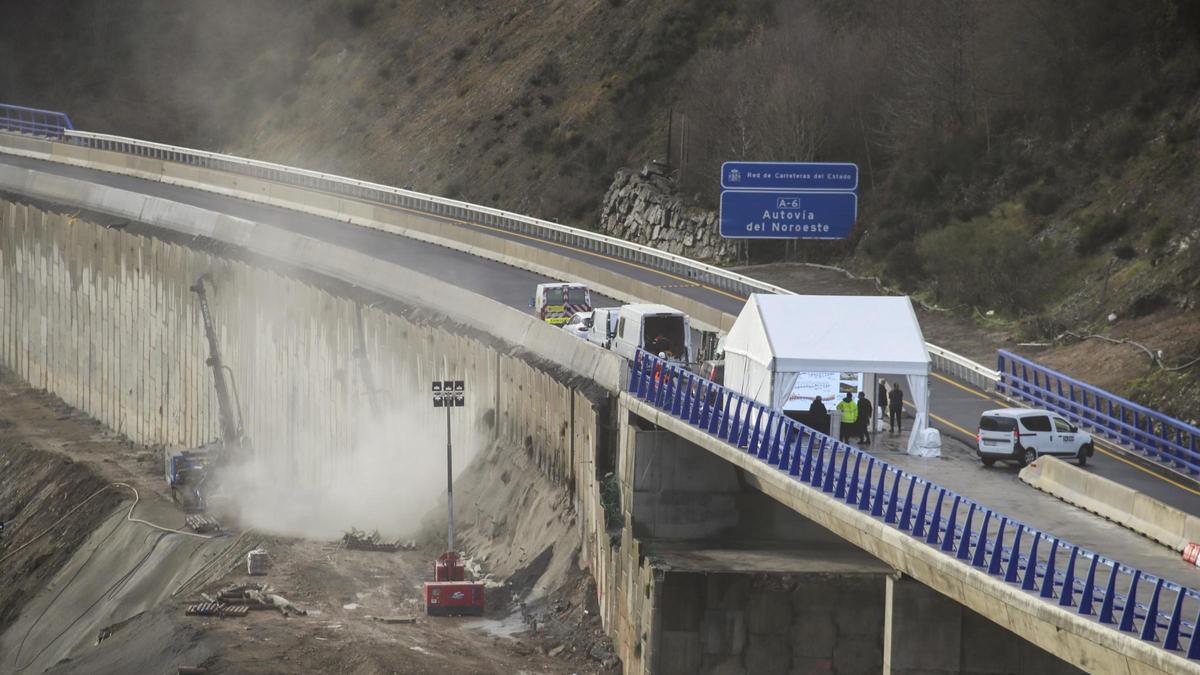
1137	511
434	229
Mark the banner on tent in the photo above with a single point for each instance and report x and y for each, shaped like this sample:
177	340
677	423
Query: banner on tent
831	387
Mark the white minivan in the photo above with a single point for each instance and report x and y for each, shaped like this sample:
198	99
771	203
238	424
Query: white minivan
1020	435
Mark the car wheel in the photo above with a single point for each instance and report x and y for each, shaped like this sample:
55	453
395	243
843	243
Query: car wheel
988	461
1028	457
1082	457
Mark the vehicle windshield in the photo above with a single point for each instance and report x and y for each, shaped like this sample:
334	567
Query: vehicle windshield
991	423
568	296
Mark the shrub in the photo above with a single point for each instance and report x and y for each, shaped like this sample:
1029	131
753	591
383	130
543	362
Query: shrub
903	265
1100	230
991	263
359	12
1160	236
1125	252
1043	201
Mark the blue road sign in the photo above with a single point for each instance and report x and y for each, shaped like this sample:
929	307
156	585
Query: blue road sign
787	215
819	176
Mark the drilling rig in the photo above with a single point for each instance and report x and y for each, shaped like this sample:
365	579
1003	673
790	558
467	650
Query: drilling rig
187	471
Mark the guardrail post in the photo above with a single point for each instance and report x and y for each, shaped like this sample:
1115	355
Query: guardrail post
906	511
935	523
792	438
1048	579
1150	626
831	468
733	407
839	490
1110	595
1029	582
1088	595
806	474
998	549
864	500
772	455
750	430
1067	597
877	502
852	487
757	437
977	560
964	550
1193	652
1014	556
1171	641
918	529
1130	610
818	467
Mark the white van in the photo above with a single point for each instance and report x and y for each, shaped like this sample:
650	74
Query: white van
1020	435
604	326
654	328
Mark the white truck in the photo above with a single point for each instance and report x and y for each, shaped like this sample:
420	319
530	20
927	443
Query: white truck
655	328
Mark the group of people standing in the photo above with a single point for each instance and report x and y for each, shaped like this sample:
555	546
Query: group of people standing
856	416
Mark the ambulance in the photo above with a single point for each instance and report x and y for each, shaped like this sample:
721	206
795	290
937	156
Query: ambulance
556	303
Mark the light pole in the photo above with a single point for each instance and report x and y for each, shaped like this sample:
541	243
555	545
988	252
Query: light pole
449	394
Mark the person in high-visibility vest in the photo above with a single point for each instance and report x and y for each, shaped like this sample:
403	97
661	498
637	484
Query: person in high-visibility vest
849	412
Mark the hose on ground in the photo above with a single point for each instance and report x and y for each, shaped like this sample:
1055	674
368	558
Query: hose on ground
128	516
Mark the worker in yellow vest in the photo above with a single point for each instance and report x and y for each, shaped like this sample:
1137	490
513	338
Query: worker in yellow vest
849	412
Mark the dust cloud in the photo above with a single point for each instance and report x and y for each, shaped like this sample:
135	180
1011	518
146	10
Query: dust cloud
390	481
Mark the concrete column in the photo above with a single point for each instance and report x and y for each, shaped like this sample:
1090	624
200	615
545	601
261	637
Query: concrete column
925	632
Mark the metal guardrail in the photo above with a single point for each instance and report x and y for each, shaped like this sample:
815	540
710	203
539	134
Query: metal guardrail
34	121
1158	436
1110	592
692	270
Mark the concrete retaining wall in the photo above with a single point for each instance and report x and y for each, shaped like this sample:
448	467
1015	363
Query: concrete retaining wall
105	319
1139	512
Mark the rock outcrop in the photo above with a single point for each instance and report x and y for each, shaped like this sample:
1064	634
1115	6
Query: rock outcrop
643	207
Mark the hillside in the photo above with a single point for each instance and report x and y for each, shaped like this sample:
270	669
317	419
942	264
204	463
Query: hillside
1029	164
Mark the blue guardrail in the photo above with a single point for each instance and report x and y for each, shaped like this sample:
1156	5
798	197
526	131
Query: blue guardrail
34	121
1162	438
1073	578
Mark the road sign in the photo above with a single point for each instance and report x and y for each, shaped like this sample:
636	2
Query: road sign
818	176
787	215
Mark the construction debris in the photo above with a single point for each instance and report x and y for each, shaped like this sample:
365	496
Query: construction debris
359	540
203	523
257	562
258	596
217	609
393	619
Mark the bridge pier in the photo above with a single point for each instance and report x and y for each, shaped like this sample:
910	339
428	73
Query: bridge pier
726	580
926	632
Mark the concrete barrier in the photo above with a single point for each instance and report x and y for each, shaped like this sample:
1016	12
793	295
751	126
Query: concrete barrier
396	220
1132	509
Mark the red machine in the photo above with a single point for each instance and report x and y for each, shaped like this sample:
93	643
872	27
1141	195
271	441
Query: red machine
449	594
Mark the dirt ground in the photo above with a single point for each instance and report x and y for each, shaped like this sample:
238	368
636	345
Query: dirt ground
343	591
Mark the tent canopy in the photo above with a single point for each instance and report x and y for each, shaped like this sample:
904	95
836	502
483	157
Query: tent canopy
827	333
777	337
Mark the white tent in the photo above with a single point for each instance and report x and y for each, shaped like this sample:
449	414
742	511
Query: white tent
777	337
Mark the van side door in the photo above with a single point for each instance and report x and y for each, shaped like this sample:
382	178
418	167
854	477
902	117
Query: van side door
1036	433
1065	438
